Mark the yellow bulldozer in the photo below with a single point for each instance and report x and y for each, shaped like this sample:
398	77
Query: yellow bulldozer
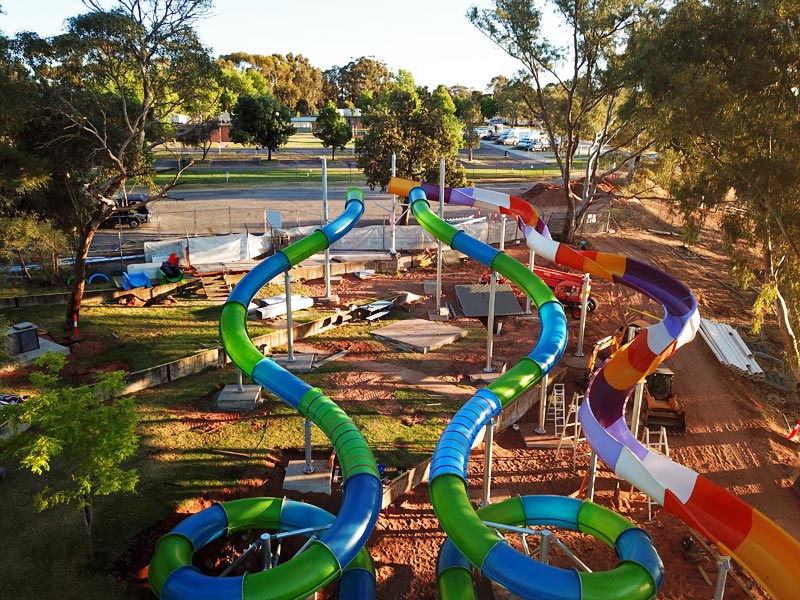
662	407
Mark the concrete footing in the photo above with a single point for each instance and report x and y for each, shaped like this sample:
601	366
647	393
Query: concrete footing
319	481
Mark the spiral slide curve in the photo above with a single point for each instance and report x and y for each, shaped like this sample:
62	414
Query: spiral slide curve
339	550
768	552
639	573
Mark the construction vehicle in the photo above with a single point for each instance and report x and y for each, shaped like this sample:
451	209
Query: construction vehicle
662	408
565	286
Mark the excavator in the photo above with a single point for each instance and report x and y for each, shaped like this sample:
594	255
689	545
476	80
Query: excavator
662	407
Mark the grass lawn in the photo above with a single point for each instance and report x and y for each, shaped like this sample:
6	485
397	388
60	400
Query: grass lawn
177	461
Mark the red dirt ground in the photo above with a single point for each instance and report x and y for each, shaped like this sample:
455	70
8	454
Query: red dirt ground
735	435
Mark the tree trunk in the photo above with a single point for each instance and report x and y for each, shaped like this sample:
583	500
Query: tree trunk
79	283
333	154
23	266
788	335
87	520
568	230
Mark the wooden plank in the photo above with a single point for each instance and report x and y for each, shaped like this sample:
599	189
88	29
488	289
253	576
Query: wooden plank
330	358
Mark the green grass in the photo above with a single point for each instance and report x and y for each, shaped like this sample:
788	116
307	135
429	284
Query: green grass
277	175
141	337
178	462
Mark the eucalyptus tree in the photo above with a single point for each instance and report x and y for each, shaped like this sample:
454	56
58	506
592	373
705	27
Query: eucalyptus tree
581	60
108	86
721	79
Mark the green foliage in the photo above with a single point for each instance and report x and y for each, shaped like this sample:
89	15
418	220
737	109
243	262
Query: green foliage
721	81
291	79
77	433
261	121
332	129
26	239
472	118
420	127
104	92
360	79
585	70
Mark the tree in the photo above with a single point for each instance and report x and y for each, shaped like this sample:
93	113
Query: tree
420	128
472	118
332	129
360	76
261	121
585	71
199	135
26	238
720	79
489	106
79	435
291	78
106	89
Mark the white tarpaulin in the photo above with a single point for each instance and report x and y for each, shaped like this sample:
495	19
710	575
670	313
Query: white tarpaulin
211	249
407	237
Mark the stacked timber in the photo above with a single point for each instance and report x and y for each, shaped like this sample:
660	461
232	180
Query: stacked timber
730	349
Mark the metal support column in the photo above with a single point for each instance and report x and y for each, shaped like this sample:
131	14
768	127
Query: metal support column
592	474
289	324
585	288
325	222
540	430
489	368
488	442
308	468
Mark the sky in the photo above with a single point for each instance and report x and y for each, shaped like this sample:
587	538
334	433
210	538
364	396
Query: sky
432	39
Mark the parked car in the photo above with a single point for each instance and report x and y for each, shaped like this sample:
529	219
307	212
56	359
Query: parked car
126	217
538	145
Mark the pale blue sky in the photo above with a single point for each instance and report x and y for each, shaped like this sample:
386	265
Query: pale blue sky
430	38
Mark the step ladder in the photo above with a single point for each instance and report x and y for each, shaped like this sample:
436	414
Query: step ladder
556	409
655	441
572	433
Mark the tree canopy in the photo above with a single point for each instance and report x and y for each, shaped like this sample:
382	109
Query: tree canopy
420	128
78	434
104	92
261	121
359	80
290	78
720	80
583	69
332	129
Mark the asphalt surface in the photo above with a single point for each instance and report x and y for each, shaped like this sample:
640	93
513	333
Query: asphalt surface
221	210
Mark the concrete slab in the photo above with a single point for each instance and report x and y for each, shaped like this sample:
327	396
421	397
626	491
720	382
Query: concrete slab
438	316
429	287
535	440
419	335
231	399
28	358
319	481
301	363
474	300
